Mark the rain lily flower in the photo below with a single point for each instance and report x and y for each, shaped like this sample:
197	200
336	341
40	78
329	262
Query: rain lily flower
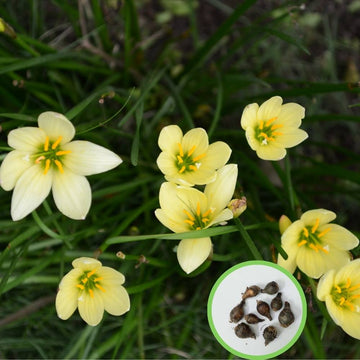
92	288
272	127
315	245
185	208
189	159
44	158
340	289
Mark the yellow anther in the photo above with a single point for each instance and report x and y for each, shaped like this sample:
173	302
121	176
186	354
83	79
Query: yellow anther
56	143
198	228
323	249
342	301
206	213
277	133
264	135
350	305
189	215
338	289
314	247
270	121
98	279
90	273
62	152
80	286
59	165
47	166
354	287
46	145
261	126
100	287
42	157
316	225
276	126
91	293
193	167
356	296
348	283
181	151
191	150
205	220
180	159
323	232
198	157
198	211
84	281
301	243
182	169
190	222
306	232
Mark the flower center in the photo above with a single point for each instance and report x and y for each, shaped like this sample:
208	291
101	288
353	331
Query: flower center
51	154
197	220
311	237
186	162
345	295
89	282
265	132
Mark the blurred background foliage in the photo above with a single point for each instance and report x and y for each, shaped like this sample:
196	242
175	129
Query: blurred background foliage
120	71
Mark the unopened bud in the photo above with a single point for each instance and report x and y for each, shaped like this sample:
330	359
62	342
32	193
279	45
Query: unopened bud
284	223
237	206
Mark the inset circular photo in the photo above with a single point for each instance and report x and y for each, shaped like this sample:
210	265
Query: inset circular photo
257	310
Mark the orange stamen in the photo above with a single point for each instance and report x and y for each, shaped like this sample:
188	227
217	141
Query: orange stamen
270	121
198	157
301	243
316	225
323	232
276	126
191	150
100	287
189	215
190	222
306	232
56	143
91	293
198	211
193	167
181	151
62	152
182	169
80	286
47	166
84	281
92	272
59	165
261	126
46	145
314	247
342	300
338	289
206	213
42	157
180	159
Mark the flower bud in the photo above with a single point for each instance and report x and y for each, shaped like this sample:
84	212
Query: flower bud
237	206
284	223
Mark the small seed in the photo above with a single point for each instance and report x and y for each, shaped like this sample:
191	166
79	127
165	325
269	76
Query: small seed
251	291
263	308
253	319
269	334
237	313
271	288
244	331
276	303
286	316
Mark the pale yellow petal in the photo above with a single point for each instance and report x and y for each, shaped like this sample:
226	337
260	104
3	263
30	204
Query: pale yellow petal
250	137
72	194
195	137
270	109
325	285
30	191
86	263
351	270
191	253
166	162
217	155
169	138
284	223
12	167
270	152
291	235
91	309
116	301
221	217
56	125
310	217
249	116
28	139
291	137
176	224
111	277
87	158
190	199
200	177
220	192
291	115
338	236
289	264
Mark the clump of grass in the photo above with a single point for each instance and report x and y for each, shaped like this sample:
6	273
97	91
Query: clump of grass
120	74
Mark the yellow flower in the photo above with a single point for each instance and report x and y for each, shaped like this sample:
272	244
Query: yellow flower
189	159
186	209
92	288
284	223
273	127
340	289
44	158
315	245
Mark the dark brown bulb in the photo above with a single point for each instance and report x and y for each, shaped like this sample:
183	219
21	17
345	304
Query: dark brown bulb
263	308
276	303
251	291
286	316
237	313
244	331
269	334
271	288
253	319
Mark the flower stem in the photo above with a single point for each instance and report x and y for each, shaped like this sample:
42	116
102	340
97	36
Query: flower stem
249	242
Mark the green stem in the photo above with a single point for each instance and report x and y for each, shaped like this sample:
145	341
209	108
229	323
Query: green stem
249	242
289	186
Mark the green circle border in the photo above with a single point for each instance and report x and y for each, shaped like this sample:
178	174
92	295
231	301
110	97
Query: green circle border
303	303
